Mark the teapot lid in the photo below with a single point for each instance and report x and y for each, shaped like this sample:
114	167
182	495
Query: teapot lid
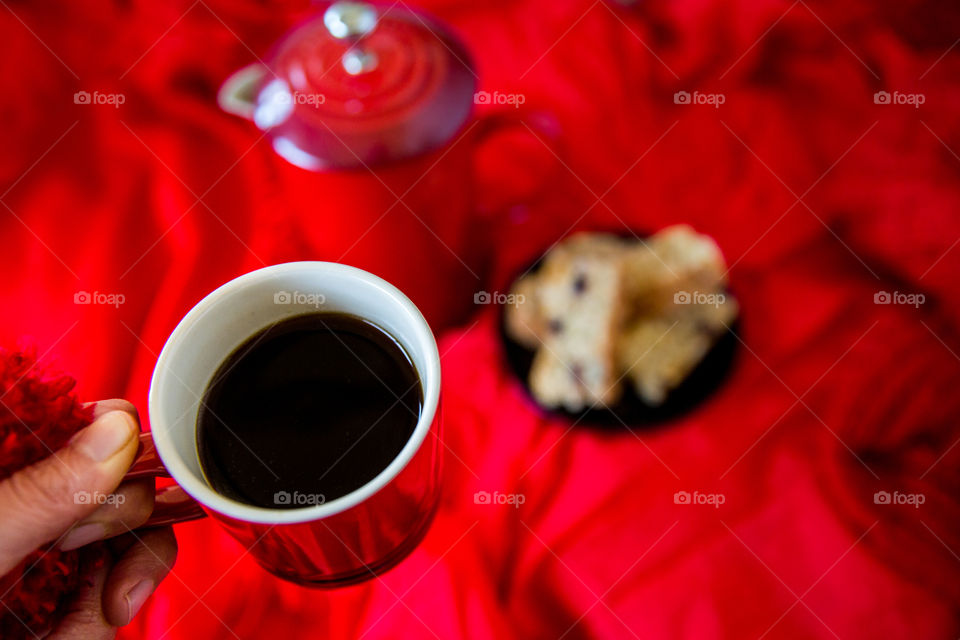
364	85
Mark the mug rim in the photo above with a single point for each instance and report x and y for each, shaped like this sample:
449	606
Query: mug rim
199	490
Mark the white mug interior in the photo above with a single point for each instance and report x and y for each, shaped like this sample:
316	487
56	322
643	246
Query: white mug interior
227	317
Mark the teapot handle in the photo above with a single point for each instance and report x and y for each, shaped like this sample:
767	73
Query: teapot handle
238	91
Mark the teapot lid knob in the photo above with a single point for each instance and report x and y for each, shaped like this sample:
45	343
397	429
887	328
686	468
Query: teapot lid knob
347	19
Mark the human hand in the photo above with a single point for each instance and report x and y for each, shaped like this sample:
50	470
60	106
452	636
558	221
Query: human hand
39	504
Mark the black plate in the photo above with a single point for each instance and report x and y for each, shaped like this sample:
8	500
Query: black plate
703	381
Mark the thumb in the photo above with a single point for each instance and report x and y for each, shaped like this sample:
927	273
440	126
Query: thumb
39	503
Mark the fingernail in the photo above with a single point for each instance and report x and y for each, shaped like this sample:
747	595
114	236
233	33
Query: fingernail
83	535
137	596
106	436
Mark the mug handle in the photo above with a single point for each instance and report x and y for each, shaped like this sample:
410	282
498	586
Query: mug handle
172	504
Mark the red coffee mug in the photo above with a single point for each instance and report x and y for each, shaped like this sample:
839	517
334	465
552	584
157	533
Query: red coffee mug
350	539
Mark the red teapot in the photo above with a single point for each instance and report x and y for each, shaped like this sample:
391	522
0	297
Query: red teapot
375	105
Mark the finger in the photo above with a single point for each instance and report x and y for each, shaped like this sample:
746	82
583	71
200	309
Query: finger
84	614
39	503
114	404
126	508
138	572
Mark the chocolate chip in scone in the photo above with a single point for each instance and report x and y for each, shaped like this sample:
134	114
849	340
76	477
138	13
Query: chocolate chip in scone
580	284
577	372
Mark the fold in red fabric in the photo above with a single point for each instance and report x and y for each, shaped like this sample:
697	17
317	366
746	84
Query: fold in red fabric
821	198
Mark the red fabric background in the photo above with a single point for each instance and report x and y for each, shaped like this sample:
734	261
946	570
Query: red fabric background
832	397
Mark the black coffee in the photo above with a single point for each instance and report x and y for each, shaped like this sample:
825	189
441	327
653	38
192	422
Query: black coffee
306	411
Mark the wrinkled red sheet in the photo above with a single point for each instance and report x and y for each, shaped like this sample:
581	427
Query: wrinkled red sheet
819	197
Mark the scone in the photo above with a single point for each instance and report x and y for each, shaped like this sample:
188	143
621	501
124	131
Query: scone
674	260
522	319
580	295
690	256
658	354
603	309
713	312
